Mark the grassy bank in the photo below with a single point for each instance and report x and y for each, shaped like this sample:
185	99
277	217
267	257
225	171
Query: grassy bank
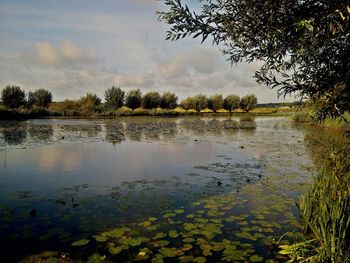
8	114
325	212
308	117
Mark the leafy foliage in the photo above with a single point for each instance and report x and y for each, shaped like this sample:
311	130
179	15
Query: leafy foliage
13	97
304	45
40	98
197	103
114	98
168	100
89	102
151	100
248	102
215	102
231	102
133	99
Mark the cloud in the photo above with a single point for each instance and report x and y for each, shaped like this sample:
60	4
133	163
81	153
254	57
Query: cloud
199	60
65	54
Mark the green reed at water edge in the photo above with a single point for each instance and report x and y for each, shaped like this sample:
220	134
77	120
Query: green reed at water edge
325	212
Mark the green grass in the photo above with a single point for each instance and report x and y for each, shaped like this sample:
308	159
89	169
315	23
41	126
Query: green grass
325	212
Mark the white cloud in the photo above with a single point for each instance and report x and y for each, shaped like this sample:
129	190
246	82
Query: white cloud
65	54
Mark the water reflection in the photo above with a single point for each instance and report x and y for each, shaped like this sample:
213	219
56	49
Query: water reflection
15	134
118	130
41	132
115	133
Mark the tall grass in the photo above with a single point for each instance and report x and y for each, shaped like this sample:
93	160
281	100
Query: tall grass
325	212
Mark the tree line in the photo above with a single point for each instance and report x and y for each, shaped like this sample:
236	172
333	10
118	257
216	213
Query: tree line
14	97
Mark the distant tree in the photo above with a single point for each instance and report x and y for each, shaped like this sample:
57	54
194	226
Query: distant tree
13	97
200	102
114	98
40	98
89	102
168	101
231	102
215	102
248	102
133	99
186	103
151	100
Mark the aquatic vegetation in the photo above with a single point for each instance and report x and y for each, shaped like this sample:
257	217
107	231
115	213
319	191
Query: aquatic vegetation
80	242
325	213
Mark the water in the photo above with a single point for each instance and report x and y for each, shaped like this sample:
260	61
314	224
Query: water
181	189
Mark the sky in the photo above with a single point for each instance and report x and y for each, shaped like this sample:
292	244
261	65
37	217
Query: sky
74	47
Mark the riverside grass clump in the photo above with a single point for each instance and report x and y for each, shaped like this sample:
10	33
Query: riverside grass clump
325	212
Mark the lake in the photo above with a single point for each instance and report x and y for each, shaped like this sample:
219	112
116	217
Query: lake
186	189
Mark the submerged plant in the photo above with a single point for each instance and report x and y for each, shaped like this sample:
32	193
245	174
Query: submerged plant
325	212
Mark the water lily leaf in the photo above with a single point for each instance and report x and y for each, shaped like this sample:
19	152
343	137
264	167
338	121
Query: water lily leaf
80	242
160	235
143	254
246	235
96	258
169	215
179	211
158	259
152	219
145	224
256	258
189	240
173	234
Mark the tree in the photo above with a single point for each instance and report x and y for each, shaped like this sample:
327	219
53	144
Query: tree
40	98
215	102
13	97
168	101
199	102
304	46
151	100
89	102
114	98
248	102
231	102
186	103
133	99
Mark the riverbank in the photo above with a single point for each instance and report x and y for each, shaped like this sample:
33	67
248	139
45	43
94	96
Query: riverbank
8	114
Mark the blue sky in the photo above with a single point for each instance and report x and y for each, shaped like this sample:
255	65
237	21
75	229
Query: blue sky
79	46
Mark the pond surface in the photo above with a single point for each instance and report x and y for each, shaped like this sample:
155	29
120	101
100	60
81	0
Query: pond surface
152	189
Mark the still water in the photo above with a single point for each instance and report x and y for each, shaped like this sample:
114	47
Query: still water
152	189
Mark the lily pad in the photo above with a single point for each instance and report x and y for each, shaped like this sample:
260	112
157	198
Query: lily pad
80	242
256	258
